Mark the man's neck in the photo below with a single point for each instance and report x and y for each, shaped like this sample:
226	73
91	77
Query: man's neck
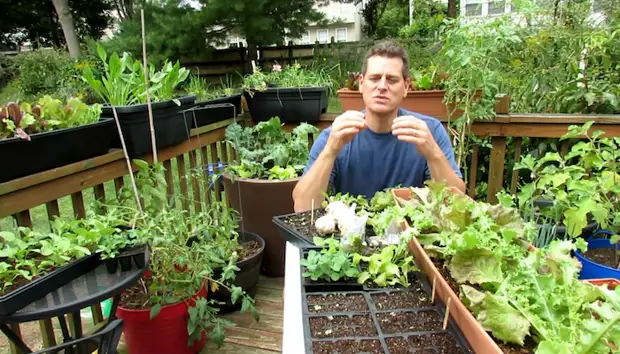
381	123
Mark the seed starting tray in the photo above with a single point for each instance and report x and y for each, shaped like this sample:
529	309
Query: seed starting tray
377	337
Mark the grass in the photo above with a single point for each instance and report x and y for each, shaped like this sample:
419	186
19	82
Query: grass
11	92
334	105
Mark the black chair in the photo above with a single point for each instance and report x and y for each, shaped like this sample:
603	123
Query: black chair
106	340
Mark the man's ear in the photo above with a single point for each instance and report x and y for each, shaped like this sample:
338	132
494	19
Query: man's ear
407	86
360	81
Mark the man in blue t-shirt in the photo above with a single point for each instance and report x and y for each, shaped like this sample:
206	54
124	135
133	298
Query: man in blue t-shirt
382	146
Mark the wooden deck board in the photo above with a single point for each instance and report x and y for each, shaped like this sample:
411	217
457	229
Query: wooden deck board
231	348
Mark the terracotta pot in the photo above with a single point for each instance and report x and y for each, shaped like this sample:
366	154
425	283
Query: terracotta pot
611	283
257	201
428	102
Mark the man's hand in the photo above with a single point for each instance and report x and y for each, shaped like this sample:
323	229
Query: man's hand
415	131
344	128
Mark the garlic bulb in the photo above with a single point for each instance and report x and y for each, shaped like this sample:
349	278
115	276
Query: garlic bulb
325	225
337	210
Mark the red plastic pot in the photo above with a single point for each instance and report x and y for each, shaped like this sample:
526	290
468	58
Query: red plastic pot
164	334
611	283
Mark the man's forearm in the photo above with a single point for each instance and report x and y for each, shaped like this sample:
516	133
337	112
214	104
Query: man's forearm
441	171
314	183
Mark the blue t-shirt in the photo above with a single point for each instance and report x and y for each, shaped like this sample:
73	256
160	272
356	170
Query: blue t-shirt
375	161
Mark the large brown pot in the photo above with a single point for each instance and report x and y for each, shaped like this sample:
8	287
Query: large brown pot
257	201
428	102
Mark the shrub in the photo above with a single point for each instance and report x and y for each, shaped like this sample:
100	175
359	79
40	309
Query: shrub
44	71
8	70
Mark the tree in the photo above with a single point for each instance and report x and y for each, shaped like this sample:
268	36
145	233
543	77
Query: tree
260	22
37	22
66	22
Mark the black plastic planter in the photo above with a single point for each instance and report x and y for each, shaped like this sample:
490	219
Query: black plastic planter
53	149
246	277
171	127
38	288
212	111
321	285
291	234
291	104
126	258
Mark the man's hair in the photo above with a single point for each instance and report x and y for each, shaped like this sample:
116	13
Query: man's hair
391	50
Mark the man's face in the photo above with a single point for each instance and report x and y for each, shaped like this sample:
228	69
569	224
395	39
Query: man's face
383	86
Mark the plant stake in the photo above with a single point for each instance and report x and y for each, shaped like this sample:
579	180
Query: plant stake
445	319
133	181
433	292
312	213
146	83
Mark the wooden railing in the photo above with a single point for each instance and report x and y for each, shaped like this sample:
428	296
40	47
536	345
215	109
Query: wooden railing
105	174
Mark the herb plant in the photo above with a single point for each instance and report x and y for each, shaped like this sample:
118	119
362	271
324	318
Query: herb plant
267	151
290	76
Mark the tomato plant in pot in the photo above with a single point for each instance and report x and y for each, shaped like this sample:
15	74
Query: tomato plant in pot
221	228
259	184
169	311
50	133
294	93
121	85
583	186
212	105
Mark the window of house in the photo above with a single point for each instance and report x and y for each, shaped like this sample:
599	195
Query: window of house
341	34
497	7
473	7
305	38
322	35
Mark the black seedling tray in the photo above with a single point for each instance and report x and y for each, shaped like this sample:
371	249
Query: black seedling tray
369	308
290	234
126	258
38	288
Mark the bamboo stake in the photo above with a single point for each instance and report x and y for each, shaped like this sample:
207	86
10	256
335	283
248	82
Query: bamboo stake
312	213
133	181
433	292
445	320
146	83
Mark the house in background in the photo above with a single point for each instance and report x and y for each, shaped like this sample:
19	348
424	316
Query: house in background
344	24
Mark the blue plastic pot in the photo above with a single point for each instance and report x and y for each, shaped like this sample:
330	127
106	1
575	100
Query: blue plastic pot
593	270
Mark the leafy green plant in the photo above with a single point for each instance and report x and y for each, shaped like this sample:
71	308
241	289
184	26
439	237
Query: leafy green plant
290	76
266	150
23	119
330	264
584	182
122	81
390	266
514	291
204	91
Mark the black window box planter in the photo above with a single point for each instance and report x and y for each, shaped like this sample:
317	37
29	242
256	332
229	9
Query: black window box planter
290	104
53	149
171	127
213	111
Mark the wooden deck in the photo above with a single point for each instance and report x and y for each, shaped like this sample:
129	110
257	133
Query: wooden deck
248	336
261	337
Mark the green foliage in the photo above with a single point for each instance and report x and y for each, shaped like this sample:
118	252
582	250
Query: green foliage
290	76
47	114
388	267
47	71
8	69
265	146
165	39
330	264
515	292
204	91
36	21
261	22
582	182
121	81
